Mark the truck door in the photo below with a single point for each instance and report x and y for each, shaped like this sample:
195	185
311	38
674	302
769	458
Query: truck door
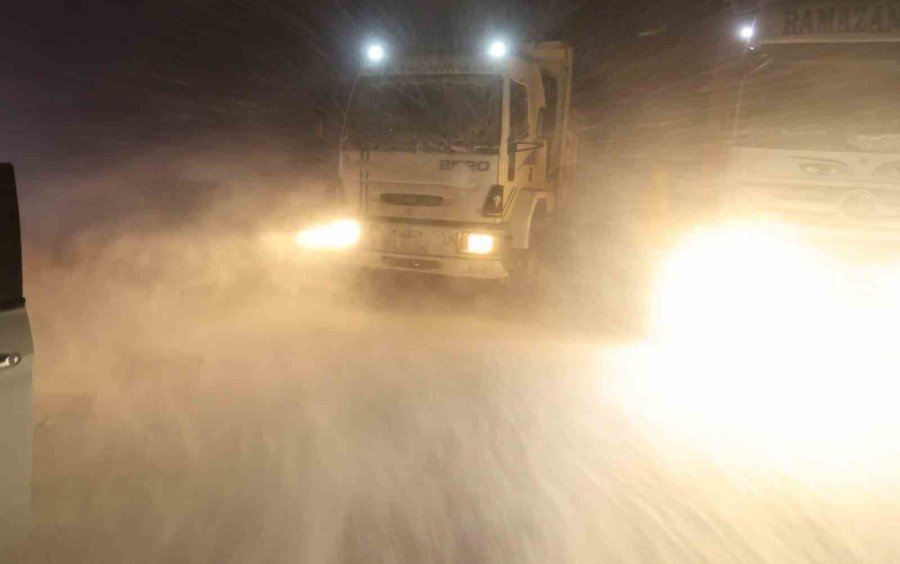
15	372
522	163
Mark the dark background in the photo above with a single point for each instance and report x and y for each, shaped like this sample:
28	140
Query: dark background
95	77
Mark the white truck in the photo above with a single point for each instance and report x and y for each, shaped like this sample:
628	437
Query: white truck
816	138
456	165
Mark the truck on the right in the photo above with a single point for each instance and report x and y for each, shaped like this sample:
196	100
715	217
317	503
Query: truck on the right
815	128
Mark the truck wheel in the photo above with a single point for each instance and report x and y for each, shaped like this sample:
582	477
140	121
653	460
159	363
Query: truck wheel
525	274
529	273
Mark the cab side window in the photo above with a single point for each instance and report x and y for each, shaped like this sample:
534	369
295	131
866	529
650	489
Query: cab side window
551	98
518	103
10	241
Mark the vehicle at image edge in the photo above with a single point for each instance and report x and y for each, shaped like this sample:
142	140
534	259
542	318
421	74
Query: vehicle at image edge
457	165
816	133
786	113
16	354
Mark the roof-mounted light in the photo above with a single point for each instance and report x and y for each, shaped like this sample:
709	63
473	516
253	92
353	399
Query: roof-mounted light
375	53
746	32
497	49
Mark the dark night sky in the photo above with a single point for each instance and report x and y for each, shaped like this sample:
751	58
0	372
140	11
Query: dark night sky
89	88
81	79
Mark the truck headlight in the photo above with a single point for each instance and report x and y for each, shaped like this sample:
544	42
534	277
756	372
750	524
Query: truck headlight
477	243
764	338
338	234
497	49
739	282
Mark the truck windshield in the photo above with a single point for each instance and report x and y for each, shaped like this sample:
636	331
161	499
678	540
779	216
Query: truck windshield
433	113
828	104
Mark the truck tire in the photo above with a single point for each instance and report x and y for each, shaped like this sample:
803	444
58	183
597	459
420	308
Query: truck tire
529	275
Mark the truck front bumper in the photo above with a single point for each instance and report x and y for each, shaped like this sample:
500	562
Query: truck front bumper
430	264
430	249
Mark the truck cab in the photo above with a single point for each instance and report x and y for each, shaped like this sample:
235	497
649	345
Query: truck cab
816	138
448	163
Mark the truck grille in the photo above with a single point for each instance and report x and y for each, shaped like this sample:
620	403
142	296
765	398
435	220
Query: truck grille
412	199
830	208
839	206
413	263
822	193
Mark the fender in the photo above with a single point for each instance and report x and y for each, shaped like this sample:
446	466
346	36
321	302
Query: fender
524	204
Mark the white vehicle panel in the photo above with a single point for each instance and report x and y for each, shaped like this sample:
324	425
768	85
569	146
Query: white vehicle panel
16	354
